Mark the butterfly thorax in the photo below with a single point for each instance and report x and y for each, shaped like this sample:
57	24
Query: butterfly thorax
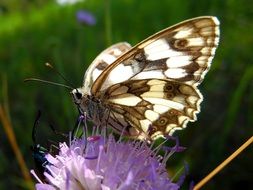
91	106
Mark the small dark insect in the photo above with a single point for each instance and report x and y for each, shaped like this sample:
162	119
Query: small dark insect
38	152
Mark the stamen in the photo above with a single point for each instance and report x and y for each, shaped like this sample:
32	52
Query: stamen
99	157
35	176
93	138
121	134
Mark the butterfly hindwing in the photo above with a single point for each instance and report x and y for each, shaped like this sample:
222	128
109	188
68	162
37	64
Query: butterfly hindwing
153	107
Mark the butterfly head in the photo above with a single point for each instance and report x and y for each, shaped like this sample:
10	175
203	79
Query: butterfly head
81	99
77	95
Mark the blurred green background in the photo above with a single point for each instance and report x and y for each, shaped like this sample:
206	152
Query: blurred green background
39	31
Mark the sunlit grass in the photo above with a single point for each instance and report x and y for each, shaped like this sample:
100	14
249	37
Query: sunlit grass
17	21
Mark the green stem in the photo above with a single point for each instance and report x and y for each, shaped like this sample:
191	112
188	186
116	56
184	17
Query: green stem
235	104
236	99
5	95
108	24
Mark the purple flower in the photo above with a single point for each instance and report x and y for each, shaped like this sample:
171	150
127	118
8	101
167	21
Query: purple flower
85	17
104	163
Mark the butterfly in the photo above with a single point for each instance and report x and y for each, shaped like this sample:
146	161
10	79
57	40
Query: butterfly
150	90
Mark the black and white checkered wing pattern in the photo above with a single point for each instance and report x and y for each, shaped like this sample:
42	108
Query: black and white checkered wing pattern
181	53
151	90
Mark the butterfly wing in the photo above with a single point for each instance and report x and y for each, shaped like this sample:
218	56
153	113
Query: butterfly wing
152	90
151	108
102	61
181	53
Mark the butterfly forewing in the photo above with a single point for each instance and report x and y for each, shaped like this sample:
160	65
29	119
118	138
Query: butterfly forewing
182	52
151	90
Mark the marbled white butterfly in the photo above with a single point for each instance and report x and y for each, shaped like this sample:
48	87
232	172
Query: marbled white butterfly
150	90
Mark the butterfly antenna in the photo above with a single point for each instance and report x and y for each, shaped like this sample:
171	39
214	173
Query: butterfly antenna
70	86
48	82
58	73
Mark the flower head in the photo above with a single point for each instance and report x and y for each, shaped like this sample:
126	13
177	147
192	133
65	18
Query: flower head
85	17
97	162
